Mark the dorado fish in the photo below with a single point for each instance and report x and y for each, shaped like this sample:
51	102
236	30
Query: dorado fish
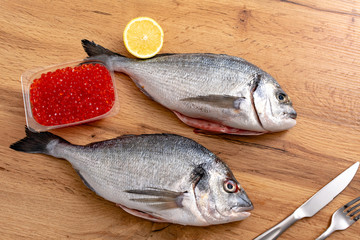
212	92
159	177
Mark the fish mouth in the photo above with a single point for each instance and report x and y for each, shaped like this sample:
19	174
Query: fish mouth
243	206
244	203
237	212
241	209
292	115
240	212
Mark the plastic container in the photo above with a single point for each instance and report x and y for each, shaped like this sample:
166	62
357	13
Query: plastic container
68	94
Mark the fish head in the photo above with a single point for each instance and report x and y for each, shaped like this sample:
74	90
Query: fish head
219	196
273	106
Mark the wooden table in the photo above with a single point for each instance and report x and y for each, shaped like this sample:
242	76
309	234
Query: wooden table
312	49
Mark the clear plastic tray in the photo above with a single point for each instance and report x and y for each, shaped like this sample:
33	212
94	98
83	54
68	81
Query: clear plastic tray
28	77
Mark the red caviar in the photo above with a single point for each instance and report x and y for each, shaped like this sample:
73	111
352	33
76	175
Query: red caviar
72	94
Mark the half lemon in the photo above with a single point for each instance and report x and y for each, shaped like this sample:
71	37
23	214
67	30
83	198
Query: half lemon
143	37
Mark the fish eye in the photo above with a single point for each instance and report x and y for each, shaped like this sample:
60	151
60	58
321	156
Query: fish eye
230	186
281	97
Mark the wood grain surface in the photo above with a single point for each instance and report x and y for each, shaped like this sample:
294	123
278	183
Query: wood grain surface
312	48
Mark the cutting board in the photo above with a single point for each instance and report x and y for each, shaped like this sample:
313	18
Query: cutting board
311	48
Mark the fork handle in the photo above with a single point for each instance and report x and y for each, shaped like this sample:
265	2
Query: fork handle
325	234
277	230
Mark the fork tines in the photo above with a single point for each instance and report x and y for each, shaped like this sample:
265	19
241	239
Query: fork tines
350	209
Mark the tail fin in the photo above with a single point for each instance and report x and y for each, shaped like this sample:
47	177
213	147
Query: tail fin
93	49
36	142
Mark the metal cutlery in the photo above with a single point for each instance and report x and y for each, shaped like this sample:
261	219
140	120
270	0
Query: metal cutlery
314	204
343	218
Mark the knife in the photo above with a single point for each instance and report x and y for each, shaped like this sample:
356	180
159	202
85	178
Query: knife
314	204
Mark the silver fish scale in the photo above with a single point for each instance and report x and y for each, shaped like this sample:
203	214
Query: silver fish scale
193	74
136	162
169	79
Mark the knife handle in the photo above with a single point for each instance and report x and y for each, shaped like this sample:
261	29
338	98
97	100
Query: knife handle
277	230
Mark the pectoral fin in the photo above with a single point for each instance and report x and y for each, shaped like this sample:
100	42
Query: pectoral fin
158	198
142	89
221	101
207	127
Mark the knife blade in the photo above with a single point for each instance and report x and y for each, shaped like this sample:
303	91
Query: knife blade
314	204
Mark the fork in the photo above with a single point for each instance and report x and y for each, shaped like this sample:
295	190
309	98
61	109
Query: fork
343	218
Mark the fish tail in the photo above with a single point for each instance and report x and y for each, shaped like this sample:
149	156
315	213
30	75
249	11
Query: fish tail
93	49
114	61
37	142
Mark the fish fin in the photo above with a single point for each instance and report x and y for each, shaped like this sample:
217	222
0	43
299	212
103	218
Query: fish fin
141	214
93	49
126	136
36	142
159	198
228	130
206	132
237	102
108	143
221	101
207	127
142	89
164	55
84	181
